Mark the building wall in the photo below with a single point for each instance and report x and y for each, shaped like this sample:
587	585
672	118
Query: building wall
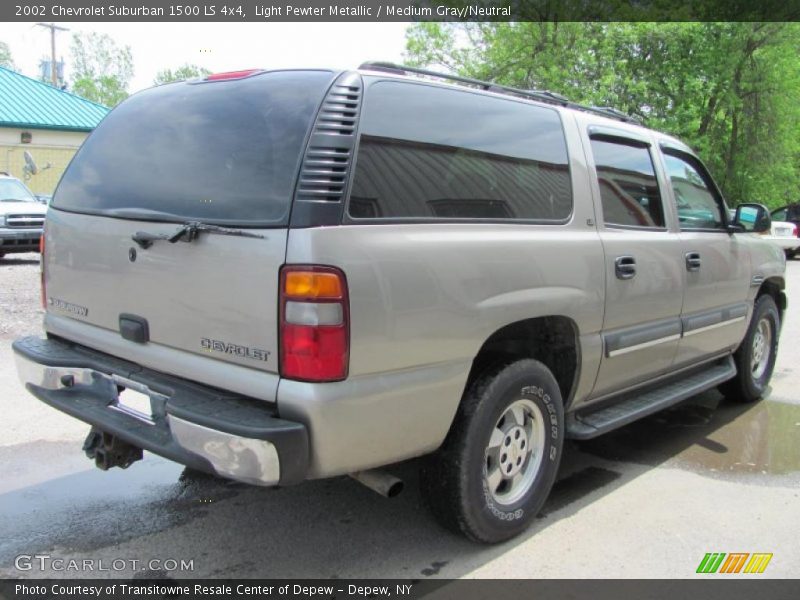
46	146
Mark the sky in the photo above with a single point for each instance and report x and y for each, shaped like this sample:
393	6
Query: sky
218	46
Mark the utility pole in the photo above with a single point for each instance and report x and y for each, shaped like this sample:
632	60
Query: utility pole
53	28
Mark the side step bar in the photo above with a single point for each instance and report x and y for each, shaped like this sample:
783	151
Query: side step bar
636	404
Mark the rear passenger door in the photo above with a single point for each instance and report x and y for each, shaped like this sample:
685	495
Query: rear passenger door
643	262
716	262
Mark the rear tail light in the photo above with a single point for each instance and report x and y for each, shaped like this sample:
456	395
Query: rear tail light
315	327
41	270
796	232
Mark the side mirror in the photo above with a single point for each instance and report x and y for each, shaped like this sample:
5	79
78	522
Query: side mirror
752	217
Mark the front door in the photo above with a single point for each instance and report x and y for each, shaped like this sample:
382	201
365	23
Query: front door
717	263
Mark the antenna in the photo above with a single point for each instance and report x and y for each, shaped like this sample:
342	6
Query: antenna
53	28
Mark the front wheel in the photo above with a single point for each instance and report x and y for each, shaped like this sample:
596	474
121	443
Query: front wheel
496	468
755	358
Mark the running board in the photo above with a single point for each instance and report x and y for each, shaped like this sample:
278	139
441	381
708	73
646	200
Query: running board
634	405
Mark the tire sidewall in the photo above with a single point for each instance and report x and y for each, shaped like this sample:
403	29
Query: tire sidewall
765	308
528	380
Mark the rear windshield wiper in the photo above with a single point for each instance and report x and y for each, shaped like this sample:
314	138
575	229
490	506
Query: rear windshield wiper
188	232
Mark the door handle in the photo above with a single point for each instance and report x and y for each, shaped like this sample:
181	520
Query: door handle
693	261
625	267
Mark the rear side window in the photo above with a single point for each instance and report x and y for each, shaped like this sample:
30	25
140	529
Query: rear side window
780	214
433	153
628	187
223	152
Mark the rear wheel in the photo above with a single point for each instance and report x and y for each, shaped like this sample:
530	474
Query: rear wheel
499	461
755	358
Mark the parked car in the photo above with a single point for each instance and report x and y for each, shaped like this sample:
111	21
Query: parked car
367	266
21	217
784	235
790	214
781	233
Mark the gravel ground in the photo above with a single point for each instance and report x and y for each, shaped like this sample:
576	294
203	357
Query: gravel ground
20	298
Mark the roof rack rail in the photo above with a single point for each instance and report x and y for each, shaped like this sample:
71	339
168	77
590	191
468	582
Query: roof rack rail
539	95
614	112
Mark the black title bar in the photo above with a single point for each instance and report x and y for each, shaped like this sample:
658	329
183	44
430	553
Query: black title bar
398	10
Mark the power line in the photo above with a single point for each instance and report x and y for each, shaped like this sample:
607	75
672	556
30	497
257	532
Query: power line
53	28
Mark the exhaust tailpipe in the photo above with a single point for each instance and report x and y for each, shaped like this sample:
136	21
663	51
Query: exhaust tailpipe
385	484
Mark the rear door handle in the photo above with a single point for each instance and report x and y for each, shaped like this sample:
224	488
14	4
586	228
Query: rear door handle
625	267
693	261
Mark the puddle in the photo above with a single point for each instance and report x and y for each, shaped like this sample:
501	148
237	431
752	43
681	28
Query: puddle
712	437
90	508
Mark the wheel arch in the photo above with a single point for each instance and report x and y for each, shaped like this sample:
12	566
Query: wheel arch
553	340
774	286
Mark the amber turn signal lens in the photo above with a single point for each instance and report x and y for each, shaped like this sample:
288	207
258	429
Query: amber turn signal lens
309	284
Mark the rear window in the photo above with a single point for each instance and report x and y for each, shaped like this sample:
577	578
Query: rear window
222	152
434	153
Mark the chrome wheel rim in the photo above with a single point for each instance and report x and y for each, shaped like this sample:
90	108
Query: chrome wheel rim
762	348
514	453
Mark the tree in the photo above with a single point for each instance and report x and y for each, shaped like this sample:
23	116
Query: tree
101	70
728	89
183	72
5	57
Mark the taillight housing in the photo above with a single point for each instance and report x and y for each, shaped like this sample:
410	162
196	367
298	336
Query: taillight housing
314	323
43	287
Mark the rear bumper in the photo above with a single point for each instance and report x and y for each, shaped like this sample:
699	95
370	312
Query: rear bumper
204	428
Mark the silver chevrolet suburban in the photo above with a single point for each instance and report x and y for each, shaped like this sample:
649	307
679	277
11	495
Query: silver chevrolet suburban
309	273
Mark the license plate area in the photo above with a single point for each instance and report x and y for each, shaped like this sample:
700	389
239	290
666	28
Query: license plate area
138	401
135	404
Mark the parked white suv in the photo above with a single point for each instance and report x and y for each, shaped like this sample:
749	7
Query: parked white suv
21	217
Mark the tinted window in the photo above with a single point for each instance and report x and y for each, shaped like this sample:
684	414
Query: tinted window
427	152
698	206
780	214
628	187
224	152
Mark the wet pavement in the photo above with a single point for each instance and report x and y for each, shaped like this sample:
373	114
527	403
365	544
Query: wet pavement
648	500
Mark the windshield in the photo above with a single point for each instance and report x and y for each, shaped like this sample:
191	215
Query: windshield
224	152
12	190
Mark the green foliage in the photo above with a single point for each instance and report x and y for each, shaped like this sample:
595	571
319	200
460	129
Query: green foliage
5	56
182	73
730	90
101	70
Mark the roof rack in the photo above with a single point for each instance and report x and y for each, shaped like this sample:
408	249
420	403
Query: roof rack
539	95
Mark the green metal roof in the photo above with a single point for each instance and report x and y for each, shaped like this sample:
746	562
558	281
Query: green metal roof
25	102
